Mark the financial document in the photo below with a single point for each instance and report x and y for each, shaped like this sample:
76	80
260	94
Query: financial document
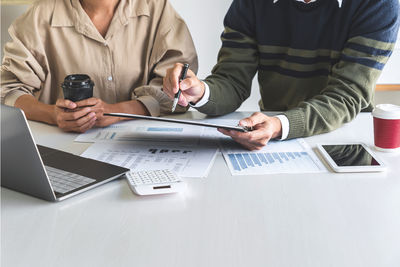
190	150
151	131
292	156
186	161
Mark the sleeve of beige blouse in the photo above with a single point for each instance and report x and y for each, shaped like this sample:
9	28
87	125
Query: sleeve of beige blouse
21	72
173	43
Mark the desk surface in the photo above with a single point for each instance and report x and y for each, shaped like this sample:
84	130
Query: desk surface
276	220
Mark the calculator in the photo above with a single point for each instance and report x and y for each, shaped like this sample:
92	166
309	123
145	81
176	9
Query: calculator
154	182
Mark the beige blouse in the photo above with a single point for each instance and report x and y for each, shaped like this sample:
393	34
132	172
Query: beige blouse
56	38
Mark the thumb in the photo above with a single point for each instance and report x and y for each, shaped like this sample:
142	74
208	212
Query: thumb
253	120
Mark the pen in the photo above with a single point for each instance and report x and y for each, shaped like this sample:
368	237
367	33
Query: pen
178	94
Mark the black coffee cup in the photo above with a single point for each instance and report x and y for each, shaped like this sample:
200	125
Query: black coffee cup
77	87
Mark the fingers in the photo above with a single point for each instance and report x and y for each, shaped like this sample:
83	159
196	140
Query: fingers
65	104
192	88
265	128
253	120
97	106
79	120
171	80
254	140
105	121
76	115
87	124
183	101
88	102
82	115
190	82
81	125
248	146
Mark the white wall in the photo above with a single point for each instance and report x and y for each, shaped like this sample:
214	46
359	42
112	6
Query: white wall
205	21
8	14
391	72
206	26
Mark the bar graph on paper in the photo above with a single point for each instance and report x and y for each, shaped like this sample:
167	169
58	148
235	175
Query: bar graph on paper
294	156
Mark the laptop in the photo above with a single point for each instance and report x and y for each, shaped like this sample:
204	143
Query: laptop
44	172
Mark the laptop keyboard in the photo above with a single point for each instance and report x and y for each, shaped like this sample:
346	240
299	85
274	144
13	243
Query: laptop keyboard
64	182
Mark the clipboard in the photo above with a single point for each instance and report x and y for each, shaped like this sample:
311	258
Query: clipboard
195	123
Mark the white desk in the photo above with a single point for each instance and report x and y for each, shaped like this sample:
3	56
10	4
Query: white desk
276	220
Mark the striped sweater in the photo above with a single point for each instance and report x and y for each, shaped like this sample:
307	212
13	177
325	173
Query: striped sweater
316	62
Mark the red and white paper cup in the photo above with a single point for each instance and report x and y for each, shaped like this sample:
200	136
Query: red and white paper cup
387	127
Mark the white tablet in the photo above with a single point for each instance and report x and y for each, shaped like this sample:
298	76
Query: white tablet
351	158
196	123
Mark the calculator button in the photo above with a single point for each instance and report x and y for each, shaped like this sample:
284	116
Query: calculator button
152	177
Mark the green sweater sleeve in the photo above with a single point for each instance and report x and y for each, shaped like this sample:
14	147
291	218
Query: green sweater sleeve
350	90
317	88
351	84
231	78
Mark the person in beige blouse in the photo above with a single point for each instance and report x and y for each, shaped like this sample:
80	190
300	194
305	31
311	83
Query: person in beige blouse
125	46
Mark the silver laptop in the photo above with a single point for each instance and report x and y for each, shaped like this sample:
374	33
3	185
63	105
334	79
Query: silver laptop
41	171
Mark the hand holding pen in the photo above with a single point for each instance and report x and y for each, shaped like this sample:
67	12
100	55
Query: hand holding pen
192	89
178	94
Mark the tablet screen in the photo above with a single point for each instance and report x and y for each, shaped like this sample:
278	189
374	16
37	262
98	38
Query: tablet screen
350	155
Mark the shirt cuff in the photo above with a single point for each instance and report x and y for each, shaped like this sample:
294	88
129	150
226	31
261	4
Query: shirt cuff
12	97
204	99
152	105
285	126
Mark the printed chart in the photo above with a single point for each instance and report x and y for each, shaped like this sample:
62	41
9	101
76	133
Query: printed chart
294	156
148	131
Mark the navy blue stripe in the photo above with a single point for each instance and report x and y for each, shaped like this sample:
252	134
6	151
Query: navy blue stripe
369	50
273	24
293	73
232	35
238	45
364	61
300	60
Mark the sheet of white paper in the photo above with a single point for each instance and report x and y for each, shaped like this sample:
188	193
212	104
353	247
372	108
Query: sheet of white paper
292	156
195	161
144	131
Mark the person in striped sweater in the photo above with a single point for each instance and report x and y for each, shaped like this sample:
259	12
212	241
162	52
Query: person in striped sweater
317	61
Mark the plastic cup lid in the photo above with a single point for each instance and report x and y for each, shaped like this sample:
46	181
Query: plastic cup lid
387	111
77	81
